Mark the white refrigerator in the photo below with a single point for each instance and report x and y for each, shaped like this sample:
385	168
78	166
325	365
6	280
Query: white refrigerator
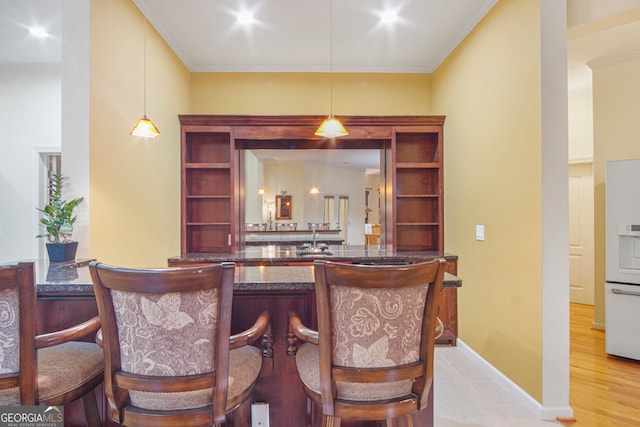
622	287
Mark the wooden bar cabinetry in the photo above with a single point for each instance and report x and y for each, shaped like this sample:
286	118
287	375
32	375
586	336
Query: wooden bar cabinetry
212	187
207	209
417	181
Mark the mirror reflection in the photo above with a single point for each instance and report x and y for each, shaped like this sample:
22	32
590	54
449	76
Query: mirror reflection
335	192
283	206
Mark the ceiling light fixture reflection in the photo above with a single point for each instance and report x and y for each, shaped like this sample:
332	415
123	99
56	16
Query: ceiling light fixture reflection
245	17
39	32
144	127
314	190
331	127
389	16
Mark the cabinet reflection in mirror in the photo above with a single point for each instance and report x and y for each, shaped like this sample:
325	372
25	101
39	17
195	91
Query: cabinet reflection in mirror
342	177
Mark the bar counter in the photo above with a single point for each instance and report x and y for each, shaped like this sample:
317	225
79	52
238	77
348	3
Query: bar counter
284	254
66	297
73	278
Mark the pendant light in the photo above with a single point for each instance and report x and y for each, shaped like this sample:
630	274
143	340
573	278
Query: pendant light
145	127
331	127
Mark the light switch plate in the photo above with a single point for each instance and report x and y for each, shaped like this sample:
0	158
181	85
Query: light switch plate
260	414
479	232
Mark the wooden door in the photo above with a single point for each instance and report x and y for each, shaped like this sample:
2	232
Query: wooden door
581	246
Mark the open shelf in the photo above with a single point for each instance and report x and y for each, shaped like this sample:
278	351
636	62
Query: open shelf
207	202
207	147
418	186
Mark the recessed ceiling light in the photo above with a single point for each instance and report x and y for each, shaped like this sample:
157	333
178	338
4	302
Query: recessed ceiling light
38	32
389	16
245	17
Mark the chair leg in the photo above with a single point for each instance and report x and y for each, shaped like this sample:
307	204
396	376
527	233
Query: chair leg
329	421
90	407
241	416
309	414
405	421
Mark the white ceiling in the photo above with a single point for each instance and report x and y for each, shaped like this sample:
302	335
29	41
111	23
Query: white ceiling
17	46
294	35
287	35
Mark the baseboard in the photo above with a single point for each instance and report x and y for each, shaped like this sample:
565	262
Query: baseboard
599	326
523	398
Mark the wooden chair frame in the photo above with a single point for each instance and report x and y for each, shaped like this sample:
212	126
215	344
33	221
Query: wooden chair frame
21	276
421	372
118	383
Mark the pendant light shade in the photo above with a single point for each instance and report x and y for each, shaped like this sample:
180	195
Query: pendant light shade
145	128
331	127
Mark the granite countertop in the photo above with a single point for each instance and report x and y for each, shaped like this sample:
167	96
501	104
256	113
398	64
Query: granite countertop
273	277
70	277
73	278
284	253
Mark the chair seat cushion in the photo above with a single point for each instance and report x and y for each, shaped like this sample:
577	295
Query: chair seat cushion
244	367
61	369
308	363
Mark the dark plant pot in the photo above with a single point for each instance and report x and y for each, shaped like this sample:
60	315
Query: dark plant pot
62	251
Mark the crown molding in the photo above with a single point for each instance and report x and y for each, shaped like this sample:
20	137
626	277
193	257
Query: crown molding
614	59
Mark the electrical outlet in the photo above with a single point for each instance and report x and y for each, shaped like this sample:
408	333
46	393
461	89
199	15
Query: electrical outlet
479	232
260	414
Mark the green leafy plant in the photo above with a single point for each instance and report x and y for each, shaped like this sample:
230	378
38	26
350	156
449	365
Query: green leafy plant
58	216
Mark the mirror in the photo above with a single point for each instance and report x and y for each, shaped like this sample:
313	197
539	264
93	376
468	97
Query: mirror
283	207
343	179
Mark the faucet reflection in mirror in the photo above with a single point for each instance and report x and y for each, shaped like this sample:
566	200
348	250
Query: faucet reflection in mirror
270	221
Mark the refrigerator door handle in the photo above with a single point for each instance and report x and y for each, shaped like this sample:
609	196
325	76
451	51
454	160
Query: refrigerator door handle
621	292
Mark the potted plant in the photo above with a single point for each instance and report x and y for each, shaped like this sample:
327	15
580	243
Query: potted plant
57	219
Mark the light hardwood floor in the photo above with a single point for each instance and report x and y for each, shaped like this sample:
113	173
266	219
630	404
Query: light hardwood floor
605	390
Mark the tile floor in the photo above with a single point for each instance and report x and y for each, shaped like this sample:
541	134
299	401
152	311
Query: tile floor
467	396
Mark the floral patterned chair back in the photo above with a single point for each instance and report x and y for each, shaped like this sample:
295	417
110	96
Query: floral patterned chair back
51	369
166	337
376	336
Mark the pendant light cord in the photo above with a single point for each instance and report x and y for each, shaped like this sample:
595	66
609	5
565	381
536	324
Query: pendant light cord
331	56
144	62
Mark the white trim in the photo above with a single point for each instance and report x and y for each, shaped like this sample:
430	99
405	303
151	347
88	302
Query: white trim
38	249
514	390
614	59
599	326
581	161
554	345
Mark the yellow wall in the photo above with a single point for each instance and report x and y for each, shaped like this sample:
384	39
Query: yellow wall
309	93
135	183
616	130
489	88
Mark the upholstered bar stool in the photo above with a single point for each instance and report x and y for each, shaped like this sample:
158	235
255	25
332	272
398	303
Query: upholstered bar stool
51	369
372	355
169	357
